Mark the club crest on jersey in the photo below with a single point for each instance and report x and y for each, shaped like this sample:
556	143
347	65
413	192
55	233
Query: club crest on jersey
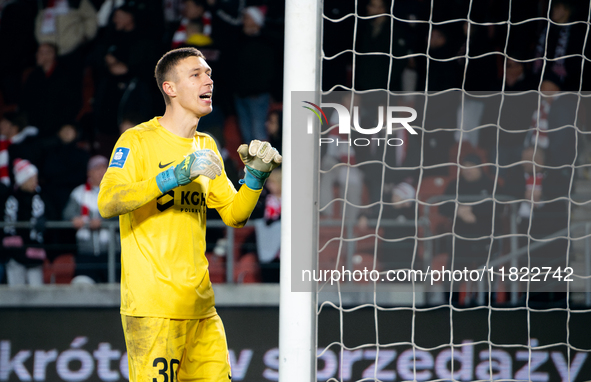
120	157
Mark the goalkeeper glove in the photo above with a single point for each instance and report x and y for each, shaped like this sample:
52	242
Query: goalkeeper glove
201	162
260	159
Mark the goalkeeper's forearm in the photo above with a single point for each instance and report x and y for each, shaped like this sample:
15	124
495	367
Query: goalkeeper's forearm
119	199
236	213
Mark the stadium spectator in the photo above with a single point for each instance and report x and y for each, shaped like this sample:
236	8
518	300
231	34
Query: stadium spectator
338	70
195	25
17	42
268	229
524	181
275	129
552	130
472	220
337	164
399	218
226	23
8	130
255	52
62	169
473	217
92	238
226	14
23	247
441	111
172	11
478	62
378	179
122	62
539	213
392	183
52	93
560	41
4	169
518	77
513	115
550	184
197	33
69	25
470	113
21	139
515	119
379	37
105	13
443	73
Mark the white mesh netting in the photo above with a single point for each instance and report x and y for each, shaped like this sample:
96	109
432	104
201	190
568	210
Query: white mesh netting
496	181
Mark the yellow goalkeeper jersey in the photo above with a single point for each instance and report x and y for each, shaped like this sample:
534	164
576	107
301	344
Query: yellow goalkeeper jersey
164	268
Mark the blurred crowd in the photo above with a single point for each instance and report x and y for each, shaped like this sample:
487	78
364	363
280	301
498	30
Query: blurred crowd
430	40
77	73
508	131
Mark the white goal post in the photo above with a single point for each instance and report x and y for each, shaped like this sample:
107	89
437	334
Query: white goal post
297	311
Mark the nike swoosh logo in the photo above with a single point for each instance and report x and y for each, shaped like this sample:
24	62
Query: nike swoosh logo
164	165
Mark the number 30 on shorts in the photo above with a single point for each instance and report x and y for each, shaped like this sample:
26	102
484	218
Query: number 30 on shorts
160	361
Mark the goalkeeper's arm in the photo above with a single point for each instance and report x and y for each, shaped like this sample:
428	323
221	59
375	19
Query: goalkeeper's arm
120	198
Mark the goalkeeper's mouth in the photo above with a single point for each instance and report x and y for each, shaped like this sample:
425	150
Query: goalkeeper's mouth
206	97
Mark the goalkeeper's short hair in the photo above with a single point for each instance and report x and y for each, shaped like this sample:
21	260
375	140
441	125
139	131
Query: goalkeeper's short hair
167	63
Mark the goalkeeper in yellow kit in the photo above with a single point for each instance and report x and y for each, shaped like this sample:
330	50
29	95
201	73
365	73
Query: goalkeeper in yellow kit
162	176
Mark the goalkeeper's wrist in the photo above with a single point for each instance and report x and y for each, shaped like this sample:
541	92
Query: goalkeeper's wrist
254	179
166	180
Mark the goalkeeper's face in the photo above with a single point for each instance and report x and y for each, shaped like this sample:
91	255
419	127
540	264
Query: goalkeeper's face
193	86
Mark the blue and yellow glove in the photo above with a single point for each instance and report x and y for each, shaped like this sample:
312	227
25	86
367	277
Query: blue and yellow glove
201	162
260	158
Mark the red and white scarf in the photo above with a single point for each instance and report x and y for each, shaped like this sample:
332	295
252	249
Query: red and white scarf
85	205
4	171
272	207
180	36
539	124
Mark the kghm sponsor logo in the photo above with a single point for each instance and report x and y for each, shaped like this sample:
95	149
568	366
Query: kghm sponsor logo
392	116
189	201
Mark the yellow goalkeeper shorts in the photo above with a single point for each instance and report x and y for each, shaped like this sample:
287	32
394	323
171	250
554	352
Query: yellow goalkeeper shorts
167	350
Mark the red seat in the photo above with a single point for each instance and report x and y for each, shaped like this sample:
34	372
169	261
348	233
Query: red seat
217	268
240	236
368	244
60	271
247	269
327	256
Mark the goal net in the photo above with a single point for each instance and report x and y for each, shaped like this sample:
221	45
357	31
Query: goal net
453	187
